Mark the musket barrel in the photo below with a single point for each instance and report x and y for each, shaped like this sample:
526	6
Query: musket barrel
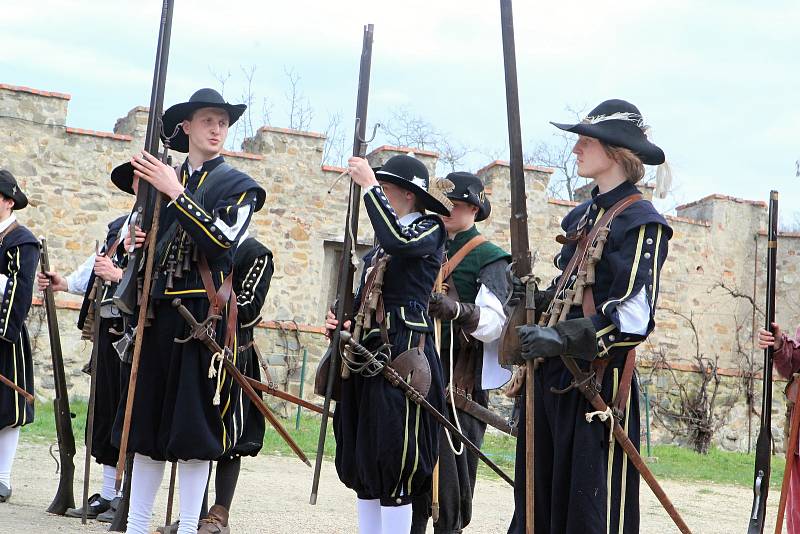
344	286
763	463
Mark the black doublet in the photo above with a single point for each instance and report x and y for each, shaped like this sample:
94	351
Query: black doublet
253	268
19	256
386	446
173	414
583	480
109	374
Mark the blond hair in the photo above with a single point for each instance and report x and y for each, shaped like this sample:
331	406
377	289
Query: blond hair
632	166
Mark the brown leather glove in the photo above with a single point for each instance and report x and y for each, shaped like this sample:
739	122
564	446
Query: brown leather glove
464	314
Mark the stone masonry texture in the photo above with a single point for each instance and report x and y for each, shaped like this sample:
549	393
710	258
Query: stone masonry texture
715	270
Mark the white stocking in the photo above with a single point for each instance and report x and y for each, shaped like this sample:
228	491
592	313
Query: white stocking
396	519
369	516
193	477
109	490
146	479
9	437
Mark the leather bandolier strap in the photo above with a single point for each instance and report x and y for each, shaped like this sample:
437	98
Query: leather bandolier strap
450	265
577	265
219	299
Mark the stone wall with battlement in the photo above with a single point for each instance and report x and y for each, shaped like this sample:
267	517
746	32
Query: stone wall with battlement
714	271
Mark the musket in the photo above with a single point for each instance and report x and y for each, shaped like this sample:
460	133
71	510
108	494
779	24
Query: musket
87	459
792	391
203	332
64	498
145	215
520	248
344	286
764	442
481	413
283	395
389	373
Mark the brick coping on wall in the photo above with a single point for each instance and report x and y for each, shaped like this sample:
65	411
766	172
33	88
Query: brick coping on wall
275	129
95	133
504	163
31	90
406	149
717	196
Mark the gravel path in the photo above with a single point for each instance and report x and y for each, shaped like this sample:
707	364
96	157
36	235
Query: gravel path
273	492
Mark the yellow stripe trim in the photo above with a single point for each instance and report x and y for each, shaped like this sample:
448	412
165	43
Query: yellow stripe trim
400	238
624	471
209	234
605	330
201	179
416	451
610	472
618	344
634	269
403	316
16	395
15	259
655	267
184	291
405	451
241	198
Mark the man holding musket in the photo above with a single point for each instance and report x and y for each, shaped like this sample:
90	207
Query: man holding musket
188	410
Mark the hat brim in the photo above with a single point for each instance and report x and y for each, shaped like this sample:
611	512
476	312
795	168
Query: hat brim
19	198
649	153
122	177
484	208
178	113
425	198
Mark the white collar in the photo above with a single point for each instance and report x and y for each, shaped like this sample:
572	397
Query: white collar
189	167
409	218
8	222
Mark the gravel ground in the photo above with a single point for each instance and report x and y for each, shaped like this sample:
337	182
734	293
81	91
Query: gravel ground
273	492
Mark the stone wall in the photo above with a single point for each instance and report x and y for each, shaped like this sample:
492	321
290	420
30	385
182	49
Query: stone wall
716	253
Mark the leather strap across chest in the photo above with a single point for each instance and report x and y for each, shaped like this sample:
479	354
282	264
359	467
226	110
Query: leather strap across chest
578	259
450	265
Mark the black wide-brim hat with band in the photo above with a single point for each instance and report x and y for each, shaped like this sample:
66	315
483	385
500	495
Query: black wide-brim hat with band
10	189
469	188
618	123
204	98
122	177
411	174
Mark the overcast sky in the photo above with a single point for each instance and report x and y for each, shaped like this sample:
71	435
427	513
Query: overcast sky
718	81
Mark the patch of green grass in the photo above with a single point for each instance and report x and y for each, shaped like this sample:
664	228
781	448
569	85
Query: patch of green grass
717	466
673	463
43	428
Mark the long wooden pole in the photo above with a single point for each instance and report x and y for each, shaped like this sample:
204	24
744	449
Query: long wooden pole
520	248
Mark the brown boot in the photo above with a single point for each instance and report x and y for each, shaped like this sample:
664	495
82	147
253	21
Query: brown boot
216	522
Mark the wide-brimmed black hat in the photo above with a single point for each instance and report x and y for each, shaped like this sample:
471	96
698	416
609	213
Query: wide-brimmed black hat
618	123
10	189
204	98
122	177
412	175
469	188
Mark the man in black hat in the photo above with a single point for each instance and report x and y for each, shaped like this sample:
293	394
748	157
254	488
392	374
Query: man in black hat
187	411
386	445
603	307
472	315
100	271
19	255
